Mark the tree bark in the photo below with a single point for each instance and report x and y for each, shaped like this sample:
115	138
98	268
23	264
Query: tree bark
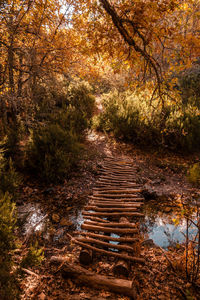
120	286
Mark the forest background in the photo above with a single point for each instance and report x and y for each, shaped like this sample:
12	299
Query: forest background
141	58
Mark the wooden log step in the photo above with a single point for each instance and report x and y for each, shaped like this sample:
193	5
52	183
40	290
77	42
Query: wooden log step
107	209
117	196
108	229
112	224
96	219
117	188
114	214
108	184
111	284
105	244
116	184
116	180
118	162
113	204
117	172
110	253
109	238
122	191
117	176
117	200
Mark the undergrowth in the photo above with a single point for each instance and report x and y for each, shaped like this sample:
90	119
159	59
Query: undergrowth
131	117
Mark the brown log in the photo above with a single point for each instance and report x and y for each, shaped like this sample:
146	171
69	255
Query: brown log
122	267
117	179
119	174
109	229
114	204
115	214
86	256
112	224
117	196
109	238
96	219
110	253
114	182
117	188
104	244
107	209
120	286
120	200
120	191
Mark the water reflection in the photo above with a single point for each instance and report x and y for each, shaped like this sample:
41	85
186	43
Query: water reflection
161	228
31	217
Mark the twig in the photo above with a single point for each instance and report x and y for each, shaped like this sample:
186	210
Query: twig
30	272
167	259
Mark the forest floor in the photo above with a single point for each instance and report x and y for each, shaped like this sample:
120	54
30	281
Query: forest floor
54	211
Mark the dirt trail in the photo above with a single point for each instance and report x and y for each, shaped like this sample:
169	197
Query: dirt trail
163	175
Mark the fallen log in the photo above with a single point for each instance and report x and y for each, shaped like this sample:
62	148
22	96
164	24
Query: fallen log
108	229
120	286
109	238
114	214
107	209
104	244
112	224
110	253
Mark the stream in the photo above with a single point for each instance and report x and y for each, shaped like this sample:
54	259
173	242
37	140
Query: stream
158	226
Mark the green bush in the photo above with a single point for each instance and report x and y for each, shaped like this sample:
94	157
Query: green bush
194	174
53	152
8	287
189	85
34	256
130	116
9	178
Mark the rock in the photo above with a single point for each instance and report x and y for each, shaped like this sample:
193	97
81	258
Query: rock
55	218
65	222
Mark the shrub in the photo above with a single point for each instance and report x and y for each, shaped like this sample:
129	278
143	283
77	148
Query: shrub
34	256
8	288
131	117
52	152
194	174
189	85
9	178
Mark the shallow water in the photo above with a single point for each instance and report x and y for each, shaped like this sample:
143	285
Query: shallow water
162	229
31	218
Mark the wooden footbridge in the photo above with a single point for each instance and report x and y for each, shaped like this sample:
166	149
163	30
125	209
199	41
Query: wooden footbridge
111	216
111	227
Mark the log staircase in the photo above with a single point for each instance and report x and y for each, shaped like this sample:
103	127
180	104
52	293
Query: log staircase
110	228
111	217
